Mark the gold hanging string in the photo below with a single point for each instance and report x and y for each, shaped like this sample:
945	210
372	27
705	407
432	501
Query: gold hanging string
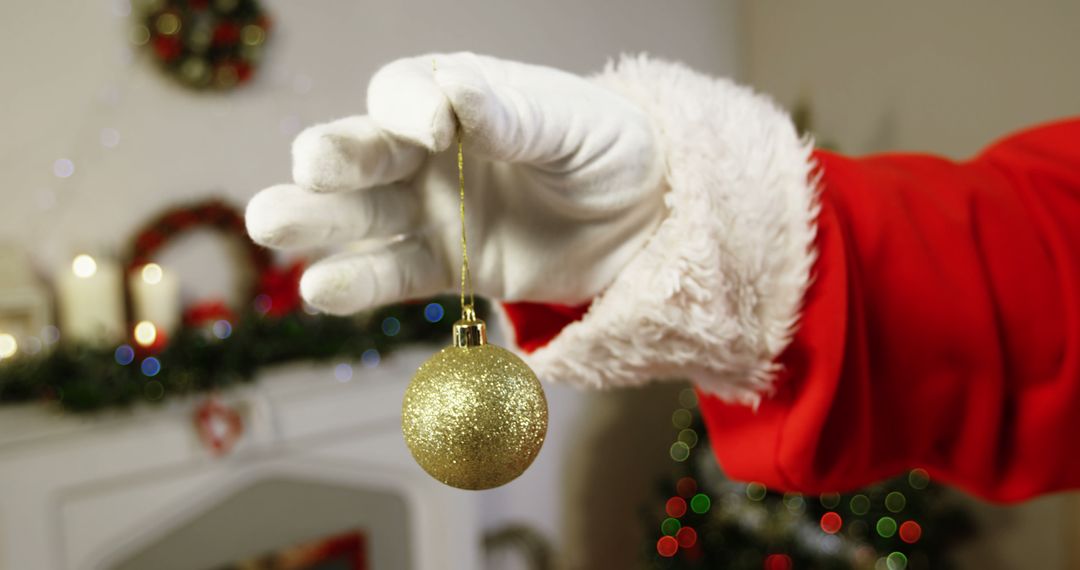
467	311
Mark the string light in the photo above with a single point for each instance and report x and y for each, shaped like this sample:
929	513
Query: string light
222	329
910	532
896	561
794	503
150	366
679	451
63	168
918	478
124	355
675	507
83	266
667	546
152	273
755	491
830	500
145	333
886	527
895	501
700	503
391	326
670	526
778	562
831	523
8	345
860	504
686	537
689	437
688	398
50	334
433	312
682	418
370	358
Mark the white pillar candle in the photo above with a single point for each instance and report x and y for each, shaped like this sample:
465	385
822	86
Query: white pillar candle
91	299
155	297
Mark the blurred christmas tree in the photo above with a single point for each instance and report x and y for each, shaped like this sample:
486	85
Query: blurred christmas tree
704	520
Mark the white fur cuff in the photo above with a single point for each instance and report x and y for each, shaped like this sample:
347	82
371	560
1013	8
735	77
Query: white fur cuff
716	292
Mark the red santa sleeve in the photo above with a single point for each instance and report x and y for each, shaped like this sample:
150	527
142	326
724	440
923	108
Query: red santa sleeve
936	323
942	329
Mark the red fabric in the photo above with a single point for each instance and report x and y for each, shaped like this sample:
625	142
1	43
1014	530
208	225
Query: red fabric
535	324
942	329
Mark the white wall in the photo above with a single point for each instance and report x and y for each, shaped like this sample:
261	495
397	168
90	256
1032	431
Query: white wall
68	72
944	77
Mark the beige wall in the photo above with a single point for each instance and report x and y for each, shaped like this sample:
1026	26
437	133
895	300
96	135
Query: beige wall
943	77
946	77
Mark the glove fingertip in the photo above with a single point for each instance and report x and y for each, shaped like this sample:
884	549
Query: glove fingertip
331	291
409	105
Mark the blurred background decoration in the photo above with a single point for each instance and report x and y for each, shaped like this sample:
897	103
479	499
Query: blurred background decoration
708	521
167	402
204	43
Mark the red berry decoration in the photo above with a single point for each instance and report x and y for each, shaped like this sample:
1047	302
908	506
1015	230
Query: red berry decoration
226	34
167	48
206	44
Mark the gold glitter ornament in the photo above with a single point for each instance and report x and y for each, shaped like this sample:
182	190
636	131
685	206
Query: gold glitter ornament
474	415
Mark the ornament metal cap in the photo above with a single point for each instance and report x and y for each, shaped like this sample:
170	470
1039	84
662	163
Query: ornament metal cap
469	331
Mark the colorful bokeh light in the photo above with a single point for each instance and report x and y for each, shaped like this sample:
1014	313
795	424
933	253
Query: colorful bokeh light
391	326
859	504
124	355
895	501
675	507
910	532
679	451
150	366
886	527
433	312
831	523
918	478
700	504
756	491
778	562
667	546
686	537
670	526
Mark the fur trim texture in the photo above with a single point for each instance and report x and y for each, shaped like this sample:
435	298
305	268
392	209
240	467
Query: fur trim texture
715	294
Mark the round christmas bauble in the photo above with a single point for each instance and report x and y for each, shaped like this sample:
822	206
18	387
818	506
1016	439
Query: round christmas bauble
474	415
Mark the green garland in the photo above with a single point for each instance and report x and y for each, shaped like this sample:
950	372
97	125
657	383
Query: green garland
82	379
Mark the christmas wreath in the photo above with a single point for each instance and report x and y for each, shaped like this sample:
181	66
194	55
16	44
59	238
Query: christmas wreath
205	43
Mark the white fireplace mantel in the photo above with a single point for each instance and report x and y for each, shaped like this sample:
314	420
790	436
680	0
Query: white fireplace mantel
92	492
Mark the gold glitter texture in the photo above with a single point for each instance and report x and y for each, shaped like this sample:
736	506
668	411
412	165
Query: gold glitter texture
474	417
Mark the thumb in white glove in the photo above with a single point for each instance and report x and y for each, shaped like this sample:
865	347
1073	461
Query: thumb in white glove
563	186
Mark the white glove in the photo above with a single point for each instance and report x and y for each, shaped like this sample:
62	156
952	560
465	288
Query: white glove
563	183
682	205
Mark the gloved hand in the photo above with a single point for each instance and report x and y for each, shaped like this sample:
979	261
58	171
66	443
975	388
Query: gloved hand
681	205
563	177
